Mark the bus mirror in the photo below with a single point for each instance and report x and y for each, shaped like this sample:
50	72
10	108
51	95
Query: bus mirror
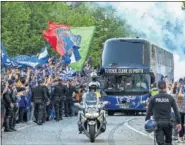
152	78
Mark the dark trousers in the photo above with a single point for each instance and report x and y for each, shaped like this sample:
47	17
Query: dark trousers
44	112
68	107
48	108
39	112
3	112
22	110
164	133
182	132
61	107
13	117
8	115
56	106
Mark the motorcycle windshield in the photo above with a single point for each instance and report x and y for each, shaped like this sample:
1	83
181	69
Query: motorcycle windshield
91	99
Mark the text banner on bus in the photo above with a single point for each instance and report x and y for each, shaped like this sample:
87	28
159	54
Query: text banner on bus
126	71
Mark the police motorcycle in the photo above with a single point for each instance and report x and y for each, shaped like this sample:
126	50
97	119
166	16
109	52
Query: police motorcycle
92	120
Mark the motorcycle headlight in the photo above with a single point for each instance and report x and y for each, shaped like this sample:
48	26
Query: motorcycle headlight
96	114
87	115
92	115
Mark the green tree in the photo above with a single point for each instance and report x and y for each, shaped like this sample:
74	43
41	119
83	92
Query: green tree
108	25
24	22
15	27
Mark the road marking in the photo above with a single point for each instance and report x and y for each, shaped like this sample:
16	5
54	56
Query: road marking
140	132
111	140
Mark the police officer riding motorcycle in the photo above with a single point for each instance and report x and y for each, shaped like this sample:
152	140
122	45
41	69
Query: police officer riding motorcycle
92	121
94	80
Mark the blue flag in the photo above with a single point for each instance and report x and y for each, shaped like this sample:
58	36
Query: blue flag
23	60
67	74
43	56
72	46
27	61
6	61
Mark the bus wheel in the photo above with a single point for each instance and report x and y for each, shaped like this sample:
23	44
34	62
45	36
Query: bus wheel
110	113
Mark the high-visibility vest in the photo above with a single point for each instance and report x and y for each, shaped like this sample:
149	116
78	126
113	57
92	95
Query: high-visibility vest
154	91
98	94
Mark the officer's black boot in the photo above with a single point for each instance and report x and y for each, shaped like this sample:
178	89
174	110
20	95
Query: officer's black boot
80	128
12	125
39	122
13	129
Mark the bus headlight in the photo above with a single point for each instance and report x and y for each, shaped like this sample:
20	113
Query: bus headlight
143	102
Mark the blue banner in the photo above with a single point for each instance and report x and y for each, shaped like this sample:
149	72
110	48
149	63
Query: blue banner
23	60
30	61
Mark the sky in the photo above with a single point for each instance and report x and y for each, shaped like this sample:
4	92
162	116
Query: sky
163	23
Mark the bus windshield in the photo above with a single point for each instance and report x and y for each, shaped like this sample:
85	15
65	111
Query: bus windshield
128	83
122	52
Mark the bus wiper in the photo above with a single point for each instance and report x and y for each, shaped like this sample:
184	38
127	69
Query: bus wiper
113	64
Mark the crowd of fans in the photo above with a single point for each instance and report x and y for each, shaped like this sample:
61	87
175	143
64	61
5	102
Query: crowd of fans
16	91
177	90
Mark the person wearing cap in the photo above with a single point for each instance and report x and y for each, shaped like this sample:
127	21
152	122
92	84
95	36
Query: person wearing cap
160	107
38	98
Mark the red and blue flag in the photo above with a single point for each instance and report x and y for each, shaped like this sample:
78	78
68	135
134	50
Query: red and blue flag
63	41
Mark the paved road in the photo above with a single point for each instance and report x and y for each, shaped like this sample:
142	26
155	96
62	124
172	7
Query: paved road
121	130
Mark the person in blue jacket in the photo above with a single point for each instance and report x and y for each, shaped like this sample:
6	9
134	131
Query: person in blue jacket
22	105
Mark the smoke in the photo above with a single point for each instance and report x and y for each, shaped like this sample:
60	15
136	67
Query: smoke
179	67
163	23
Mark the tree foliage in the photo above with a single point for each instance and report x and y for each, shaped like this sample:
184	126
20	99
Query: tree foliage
23	23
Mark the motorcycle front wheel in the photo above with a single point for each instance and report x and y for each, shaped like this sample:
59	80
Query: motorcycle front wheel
92	133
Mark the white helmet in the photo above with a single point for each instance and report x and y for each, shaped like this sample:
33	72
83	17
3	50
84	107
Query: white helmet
93	86
93	74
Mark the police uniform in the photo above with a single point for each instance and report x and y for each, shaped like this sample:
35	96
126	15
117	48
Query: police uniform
55	98
46	106
9	110
160	106
69	100
62	99
10	118
39	96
